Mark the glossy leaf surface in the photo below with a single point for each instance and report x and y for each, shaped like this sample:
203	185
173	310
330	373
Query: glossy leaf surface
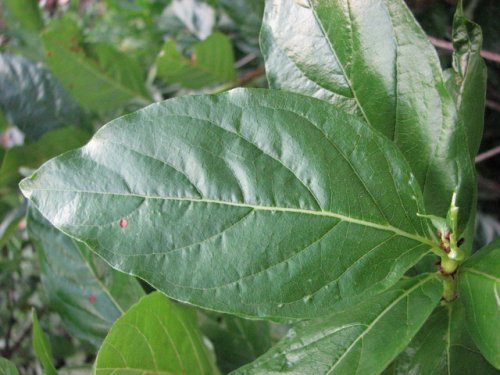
98	77
155	336
479	286
374	60
443	347
87	296
362	339
42	347
32	99
7	367
211	61
253	202
236	341
467	81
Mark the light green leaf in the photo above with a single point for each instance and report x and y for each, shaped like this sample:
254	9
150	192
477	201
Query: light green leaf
87	296
479	286
42	347
32	155
467	80
362	339
211	198
236	341
158	336
373	60
7	367
32	99
211	61
443	347
24	14
99	77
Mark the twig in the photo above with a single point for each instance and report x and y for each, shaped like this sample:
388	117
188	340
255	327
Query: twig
493	105
487	154
241	81
440	43
245	60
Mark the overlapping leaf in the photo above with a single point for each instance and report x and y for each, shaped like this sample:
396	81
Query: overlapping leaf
155	336
98	76
467	79
253	202
362	339
33	154
42	347
32	99
236	341
7	367
88	299
479	286
442	347
211	61
373	60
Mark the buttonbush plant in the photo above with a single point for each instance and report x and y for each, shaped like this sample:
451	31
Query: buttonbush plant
340	201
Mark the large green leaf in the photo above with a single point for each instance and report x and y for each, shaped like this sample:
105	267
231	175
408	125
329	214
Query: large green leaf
374	60
363	339
443	347
467	80
479	286
32	155
42	347
236	341
32	99
155	336
87	297
7	367
253	202
98	76
211	61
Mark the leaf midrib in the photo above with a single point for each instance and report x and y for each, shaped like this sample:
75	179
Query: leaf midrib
405	294
302	211
483	274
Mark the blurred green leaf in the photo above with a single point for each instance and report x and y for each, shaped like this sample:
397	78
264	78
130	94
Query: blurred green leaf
42	347
10	222
155	335
98	76
443	347
237	341
196	15
32	155
362	339
479	286
24	14
7	367
211	61
32	99
88	295
247	16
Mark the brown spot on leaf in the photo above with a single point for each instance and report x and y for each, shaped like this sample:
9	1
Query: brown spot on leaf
49	53
123	223
92	298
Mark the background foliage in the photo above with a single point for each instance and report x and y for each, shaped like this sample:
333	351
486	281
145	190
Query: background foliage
67	67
